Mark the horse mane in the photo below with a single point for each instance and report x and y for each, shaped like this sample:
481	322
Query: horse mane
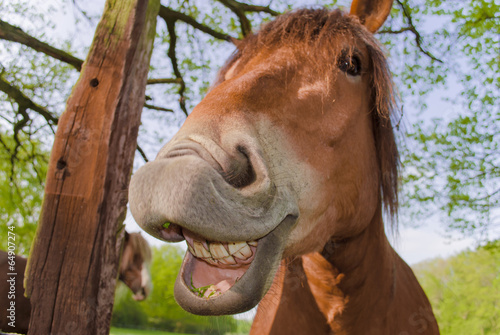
317	29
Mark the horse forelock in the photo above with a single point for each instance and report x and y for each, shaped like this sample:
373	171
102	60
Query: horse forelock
317	29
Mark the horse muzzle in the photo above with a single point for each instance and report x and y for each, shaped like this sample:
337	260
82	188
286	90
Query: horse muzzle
234	218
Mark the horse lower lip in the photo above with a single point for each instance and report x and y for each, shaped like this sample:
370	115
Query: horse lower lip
208	281
214	267
247	288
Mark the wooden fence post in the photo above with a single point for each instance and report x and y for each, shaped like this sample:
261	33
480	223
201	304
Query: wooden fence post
72	269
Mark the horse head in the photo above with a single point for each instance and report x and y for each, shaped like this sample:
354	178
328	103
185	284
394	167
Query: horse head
291	148
134	265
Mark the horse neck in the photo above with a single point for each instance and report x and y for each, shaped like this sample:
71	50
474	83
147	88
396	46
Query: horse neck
367	269
356	286
382	294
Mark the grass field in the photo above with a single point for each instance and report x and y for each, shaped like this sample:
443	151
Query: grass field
123	331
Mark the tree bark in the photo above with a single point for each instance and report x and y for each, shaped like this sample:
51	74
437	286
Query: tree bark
72	269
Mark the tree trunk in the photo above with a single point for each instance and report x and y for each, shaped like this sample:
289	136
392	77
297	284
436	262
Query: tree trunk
72	269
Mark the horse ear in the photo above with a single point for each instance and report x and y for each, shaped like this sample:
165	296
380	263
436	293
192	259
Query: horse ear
371	13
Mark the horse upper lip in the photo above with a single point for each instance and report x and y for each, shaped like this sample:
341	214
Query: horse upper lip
172	234
187	191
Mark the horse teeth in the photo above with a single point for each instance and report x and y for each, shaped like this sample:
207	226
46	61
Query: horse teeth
243	253
200	251
235	247
227	260
191	250
211	261
218	251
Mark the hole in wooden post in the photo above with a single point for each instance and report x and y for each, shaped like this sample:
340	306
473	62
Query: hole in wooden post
94	82
61	164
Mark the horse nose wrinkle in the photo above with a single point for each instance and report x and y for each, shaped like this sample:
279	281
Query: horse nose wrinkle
230	159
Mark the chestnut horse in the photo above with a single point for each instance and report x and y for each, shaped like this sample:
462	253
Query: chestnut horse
134	272
278	180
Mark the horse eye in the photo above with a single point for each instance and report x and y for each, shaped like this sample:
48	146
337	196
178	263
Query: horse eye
350	65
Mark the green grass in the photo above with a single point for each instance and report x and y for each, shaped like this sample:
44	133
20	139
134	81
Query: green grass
123	331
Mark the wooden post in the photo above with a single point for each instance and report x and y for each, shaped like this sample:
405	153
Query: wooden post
72	269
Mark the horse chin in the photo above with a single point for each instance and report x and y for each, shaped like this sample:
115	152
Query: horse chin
138	297
219	289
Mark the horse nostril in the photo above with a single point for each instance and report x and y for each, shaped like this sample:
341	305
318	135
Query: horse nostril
241	172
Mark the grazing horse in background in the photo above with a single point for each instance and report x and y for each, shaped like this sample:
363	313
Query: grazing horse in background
134	272
134	265
278	180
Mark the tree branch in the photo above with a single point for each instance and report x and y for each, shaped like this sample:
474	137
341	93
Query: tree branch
168	14
487	196
173	58
159	108
82	12
5	146
143	154
24	102
254	8
15	34
240	8
418	38
236	8
388	31
164	81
